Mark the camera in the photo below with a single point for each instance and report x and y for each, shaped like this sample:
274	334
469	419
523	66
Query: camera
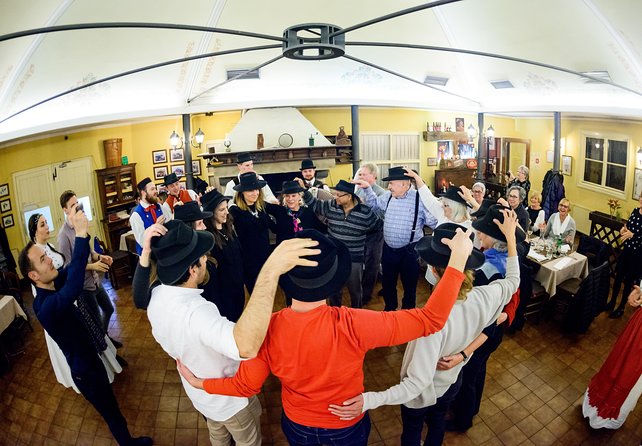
80	207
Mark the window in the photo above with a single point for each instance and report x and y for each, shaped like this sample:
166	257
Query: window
390	150
605	159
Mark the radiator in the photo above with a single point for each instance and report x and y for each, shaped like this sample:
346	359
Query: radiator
581	216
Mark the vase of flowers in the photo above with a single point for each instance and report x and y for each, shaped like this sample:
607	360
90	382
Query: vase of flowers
614	208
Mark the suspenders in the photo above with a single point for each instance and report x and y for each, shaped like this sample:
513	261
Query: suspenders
414	222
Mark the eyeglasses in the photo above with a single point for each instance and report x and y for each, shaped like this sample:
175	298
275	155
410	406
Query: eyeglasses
514	196
477	191
565	206
340	195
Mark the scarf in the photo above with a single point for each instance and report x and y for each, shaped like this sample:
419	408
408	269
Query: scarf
151	209
296	221
93	326
558	226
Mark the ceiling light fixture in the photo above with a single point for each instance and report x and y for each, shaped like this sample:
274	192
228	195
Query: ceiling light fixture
177	142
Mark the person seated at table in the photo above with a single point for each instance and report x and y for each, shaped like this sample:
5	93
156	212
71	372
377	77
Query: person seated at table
561	224
536	213
515	195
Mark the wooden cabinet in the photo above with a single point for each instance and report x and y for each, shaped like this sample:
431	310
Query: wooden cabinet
458	177
117	189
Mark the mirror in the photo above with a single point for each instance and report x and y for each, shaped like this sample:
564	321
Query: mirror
515	152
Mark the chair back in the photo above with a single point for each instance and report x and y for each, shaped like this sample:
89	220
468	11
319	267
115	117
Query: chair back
596	250
589	300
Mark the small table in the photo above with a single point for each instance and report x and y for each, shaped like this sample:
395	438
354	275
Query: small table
575	265
9	310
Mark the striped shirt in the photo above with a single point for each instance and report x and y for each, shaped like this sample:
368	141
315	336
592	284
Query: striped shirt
350	229
400	214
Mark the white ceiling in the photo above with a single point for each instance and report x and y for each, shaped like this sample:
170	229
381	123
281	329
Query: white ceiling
578	35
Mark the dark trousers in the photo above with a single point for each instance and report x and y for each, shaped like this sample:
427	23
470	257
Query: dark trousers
371	263
354	288
95	387
300	435
434	416
99	304
627	272
402	262
473	375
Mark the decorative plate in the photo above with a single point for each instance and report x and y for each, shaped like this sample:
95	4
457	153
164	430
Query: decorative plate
285	140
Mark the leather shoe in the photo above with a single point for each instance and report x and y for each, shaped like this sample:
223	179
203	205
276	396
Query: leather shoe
616	314
142	441
609	306
122	361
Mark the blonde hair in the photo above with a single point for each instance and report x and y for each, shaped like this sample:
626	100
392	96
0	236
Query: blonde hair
239	200
467	284
567	202
301	203
537	195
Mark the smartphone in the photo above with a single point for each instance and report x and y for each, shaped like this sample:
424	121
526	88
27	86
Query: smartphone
80	207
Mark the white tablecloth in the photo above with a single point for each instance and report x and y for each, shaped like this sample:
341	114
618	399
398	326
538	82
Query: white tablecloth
9	310
549	276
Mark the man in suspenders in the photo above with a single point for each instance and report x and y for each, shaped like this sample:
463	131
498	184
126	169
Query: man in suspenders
404	219
175	194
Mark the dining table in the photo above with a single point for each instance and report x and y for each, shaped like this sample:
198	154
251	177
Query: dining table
554	271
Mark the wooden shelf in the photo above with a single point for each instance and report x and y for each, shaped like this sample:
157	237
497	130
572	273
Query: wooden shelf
440	136
116	185
280	155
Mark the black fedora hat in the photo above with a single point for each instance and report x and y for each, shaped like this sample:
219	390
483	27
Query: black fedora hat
452	193
190	212
311	284
345	186
170	179
291	187
178	249
396	173
483	208
210	200
486	224
436	253
244	157
307	164
249	181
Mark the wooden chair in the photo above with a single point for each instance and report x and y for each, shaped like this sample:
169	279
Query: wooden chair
596	250
533	296
121	267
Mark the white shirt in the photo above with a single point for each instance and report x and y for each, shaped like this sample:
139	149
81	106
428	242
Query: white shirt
268	196
191	329
137	224
167	211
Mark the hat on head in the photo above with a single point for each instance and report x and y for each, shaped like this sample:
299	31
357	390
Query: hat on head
144	182
170	179
244	157
199	186
249	181
486	224
396	173
291	187
483	208
344	186
436	253
212	199
452	193
178	249
307	164
190	212
314	283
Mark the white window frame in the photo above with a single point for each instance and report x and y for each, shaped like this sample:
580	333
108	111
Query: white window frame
603	189
394	161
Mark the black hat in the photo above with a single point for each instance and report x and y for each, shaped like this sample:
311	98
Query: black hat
249	181
244	157
486	224
189	212
212	199
178	249
436	253
452	194
396	173
170	179
199	186
483	208
307	164
311	284
345	186
291	187
144	182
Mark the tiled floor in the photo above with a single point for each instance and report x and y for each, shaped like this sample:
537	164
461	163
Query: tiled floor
533	393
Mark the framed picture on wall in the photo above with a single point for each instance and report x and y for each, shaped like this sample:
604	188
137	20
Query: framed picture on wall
7	220
432	161
4	190
159	156
179	170
5	205
177	155
637	184
196	167
567	164
160	172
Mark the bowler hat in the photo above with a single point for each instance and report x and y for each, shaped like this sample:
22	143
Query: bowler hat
486	224
314	283
178	249
396	173
291	187
190	212
170	179
436	253
244	157
249	181
452	193
142	183
212	199
483	208
307	164
344	186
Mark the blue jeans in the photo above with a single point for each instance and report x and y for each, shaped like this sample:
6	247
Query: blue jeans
299	435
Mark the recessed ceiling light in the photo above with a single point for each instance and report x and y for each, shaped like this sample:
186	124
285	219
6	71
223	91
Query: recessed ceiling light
247	75
603	75
436	80
502	84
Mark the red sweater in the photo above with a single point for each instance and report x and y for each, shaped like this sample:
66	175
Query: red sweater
318	355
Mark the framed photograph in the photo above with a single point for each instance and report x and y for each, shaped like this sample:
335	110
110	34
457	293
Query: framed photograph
179	170
177	155
445	149
5	205
7	220
432	161
4	190
567	164
460	125
637	184
159	156
160	172
196	167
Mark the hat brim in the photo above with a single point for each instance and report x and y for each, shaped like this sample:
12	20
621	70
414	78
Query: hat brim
433	258
210	206
291	191
491	229
396	177
322	289
191	218
169	275
260	184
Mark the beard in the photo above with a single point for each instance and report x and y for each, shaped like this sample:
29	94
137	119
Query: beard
151	199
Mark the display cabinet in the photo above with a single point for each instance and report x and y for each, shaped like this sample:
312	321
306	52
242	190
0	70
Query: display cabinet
117	189
457	177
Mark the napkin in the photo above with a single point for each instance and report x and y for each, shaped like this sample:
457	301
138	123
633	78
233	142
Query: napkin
563	263
536	256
